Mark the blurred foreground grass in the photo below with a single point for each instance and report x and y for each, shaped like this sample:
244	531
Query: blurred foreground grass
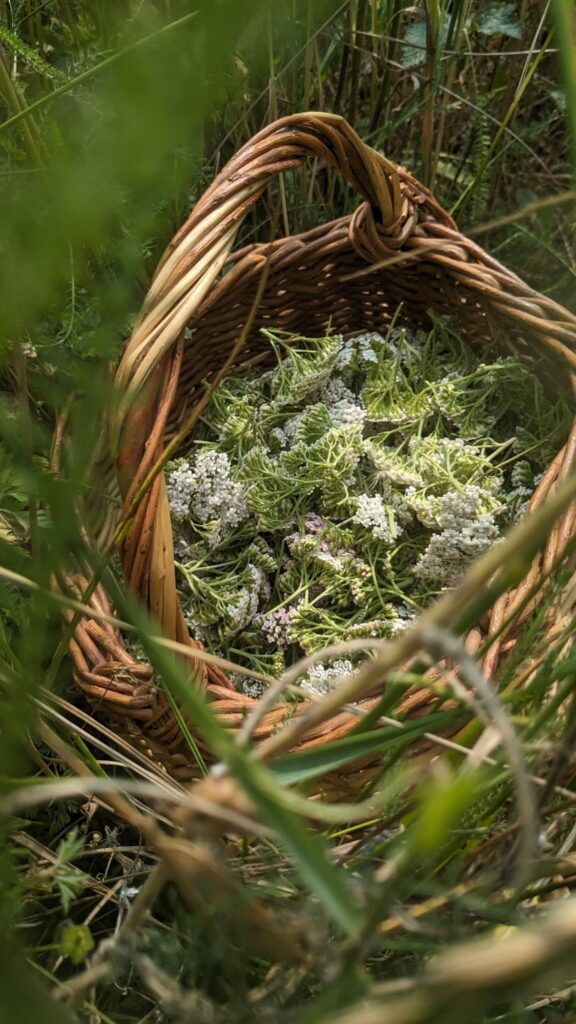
116	116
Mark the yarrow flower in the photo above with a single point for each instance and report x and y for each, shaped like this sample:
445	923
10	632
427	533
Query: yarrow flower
362	349
180	487
292	428
208	493
215	495
181	547
243	610
466	533
335	390
314	523
321	679
195	627
277	627
345	413
334	561
281	437
247	685
372	512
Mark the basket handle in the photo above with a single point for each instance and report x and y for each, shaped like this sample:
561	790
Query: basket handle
196	255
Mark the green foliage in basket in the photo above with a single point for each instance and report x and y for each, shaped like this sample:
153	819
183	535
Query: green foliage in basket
335	495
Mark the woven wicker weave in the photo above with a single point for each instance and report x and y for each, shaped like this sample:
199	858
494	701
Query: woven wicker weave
203	299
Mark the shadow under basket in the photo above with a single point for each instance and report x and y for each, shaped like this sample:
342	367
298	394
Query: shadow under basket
203	314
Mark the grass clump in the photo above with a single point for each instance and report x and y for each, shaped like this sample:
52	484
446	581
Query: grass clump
335	495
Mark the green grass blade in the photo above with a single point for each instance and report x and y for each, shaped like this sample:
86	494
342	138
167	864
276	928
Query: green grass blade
311	764
565	16
306	850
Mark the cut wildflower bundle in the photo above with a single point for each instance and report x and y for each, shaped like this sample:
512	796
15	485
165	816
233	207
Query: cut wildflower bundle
335	495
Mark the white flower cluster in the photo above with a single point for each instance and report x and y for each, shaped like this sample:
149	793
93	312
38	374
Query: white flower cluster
466	534
321	679
244	608
215	495
181	547
335	390
195	627
383	516
328	557
363	347
180	487
292	428
207	492
347	414
396	342
247	685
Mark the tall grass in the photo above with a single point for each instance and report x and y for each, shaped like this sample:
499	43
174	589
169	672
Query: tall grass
126	896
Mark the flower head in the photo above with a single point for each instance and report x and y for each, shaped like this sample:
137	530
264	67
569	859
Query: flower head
244	609
320	679
346	413
180	488
204	490
372	512
277	627
466	533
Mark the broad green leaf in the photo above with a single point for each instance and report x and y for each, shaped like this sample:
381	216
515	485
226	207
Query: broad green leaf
499	19
414	48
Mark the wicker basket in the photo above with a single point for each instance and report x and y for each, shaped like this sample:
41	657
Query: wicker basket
191	322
